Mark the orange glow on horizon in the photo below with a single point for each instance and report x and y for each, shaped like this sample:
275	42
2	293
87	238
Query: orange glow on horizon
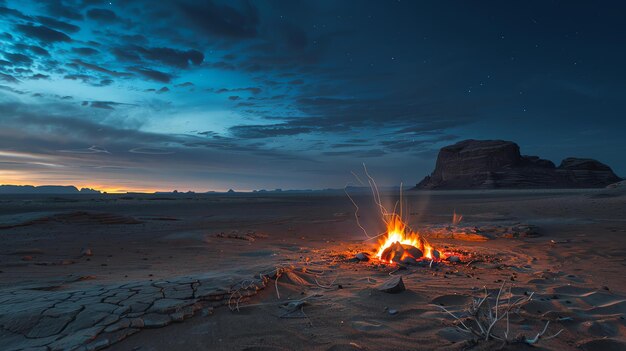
110	186
8	177
112	189
109	189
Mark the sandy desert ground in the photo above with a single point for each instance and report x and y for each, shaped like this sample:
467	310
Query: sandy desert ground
155	272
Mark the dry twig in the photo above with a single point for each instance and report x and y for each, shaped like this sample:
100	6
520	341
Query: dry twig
484	318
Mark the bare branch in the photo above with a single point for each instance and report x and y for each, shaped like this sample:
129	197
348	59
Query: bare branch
540	335
485	318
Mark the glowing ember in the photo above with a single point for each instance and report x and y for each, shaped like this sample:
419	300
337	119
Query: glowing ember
400	242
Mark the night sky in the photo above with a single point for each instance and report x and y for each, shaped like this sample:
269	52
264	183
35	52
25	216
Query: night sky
208	95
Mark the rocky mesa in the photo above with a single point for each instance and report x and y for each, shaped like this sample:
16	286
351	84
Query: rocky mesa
498	164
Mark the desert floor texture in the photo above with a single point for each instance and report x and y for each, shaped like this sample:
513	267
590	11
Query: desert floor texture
276	271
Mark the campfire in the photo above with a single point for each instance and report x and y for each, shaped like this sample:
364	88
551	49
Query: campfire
401	244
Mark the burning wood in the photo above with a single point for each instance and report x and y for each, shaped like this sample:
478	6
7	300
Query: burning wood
400	244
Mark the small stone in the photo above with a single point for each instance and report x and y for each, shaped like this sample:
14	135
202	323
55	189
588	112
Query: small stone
392	312
393	286
86	252
436	254
362	256
454	259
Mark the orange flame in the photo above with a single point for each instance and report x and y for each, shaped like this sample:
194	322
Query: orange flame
399	232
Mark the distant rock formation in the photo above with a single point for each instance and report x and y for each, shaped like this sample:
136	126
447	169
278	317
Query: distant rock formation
89	191
493	164
45	190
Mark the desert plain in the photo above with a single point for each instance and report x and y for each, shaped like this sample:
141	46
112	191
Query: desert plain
277	271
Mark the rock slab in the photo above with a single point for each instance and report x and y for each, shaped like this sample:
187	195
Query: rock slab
393	286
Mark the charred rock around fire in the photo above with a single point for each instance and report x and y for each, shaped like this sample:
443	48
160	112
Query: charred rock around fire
491	164
436	254
454	259
362	256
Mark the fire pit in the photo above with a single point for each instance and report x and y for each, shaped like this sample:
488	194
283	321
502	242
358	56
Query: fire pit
401	244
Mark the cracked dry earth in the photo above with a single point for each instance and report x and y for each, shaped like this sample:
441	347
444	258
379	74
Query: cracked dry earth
40	318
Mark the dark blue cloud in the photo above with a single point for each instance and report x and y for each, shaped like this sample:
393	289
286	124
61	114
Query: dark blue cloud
8	78
59	25
33	49
153	74
333	82
18	59
8	12
44	34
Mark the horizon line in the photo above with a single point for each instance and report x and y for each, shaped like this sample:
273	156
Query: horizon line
111	190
